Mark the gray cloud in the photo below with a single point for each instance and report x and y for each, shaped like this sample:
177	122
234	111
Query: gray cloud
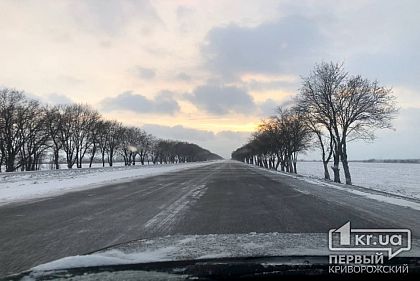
57	99
395	68
233	135
52	99
222	143
268	107
162	103
254	85
144	72
282	46
183	76
220	99
179	133
400	143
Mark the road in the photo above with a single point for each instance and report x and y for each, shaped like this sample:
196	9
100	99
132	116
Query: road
227	197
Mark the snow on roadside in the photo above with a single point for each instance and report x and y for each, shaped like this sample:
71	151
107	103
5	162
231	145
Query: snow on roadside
367	192
16	187
397	178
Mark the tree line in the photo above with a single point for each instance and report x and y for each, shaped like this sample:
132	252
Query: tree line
32	134
331	109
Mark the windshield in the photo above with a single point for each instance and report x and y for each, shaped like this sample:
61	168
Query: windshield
159	131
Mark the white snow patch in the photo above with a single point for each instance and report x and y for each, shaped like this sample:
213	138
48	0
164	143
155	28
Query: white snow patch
383	198
215	255
387	198
21	186
396	178
112	257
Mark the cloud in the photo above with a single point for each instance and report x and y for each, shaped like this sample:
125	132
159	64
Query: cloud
112	17
222	143
144	73
283	46
268	107
183	76
179	132
183	12
70	80
184	16
220	99
57	99
267	82
128	101
52	99
389	144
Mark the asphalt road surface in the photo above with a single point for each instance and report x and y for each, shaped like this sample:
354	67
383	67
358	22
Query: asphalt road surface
226	197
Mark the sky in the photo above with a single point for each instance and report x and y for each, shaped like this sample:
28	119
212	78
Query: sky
209	71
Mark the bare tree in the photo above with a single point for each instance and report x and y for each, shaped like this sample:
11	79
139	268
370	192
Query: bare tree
145	146
278	141
29	131
114	137
103	129
85	129
348	107
325	140
34	136
15	119
363	107
96	136
53	123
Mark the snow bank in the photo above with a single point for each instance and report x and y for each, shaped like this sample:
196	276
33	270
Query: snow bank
371	193
21	186
397	178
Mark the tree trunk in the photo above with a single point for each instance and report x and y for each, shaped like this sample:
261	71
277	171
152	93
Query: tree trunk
56	156
10	164
336	168
110	157
345	164
103	158
278	163
326	173
91	161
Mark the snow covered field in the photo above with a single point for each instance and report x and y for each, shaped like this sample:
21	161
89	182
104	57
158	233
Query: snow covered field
20	186
395	178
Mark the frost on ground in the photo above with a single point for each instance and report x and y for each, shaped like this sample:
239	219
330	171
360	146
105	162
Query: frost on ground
21	186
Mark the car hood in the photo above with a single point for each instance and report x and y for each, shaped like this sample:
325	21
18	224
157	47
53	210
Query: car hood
205	247
190	247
